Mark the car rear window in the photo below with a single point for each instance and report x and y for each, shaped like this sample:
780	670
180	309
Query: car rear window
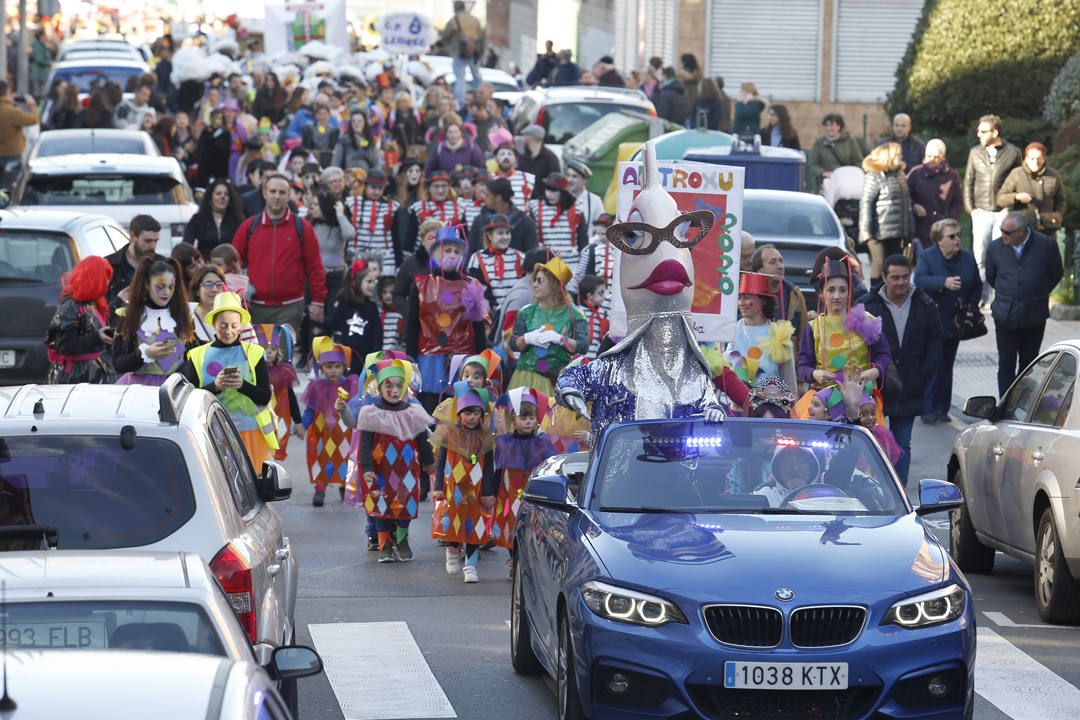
565	120
91	144
113	625
87	78
102	189
94	491
34	257
780	218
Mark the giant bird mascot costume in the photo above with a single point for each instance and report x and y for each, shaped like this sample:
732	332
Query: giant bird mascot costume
657	371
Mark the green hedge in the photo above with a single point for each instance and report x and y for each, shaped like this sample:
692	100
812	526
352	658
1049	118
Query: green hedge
1063	99
968	58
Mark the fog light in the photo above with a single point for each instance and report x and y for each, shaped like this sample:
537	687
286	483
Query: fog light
937	687
618	684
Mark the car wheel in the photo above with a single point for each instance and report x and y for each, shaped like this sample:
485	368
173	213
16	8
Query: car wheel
522	656
1057	594
970	554
566	678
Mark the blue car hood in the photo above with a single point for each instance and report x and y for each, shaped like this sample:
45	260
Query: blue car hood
747	557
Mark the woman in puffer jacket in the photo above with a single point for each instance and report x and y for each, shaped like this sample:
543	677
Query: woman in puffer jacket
885	219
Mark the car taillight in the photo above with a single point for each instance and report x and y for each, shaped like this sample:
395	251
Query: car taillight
539	118
234	574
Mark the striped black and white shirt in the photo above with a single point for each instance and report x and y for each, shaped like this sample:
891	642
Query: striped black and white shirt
560	230
375	232
522	183
499	271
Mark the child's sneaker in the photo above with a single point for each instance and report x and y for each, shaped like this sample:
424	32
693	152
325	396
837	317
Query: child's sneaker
318	498
453	560
469	574
373	544
386	555
341	491
404	552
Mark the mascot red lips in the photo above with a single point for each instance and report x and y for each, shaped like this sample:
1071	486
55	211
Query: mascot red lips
667	278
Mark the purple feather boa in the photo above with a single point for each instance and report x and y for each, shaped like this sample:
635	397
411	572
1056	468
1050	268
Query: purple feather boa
857	321
474	302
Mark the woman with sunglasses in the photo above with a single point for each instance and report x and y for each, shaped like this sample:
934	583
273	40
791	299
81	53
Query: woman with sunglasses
950	275
206	284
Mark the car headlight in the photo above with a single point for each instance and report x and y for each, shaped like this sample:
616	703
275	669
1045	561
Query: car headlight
932	608
629	606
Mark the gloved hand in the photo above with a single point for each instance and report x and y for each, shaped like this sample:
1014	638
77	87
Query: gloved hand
536	337
576	402
550	336
715	414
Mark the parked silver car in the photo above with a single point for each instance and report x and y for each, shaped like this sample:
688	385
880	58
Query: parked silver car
1018	475
96	467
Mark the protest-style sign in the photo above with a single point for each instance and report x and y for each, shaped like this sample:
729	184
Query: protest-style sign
696	186
290	26
406	33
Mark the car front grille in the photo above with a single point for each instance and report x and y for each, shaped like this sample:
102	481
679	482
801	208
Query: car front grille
720	703
818	627
745	625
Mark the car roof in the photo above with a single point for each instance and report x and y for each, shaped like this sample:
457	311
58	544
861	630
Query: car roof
50	220
581	93
785	196
113	569
102	63
105	163
115	683
90	132
106	406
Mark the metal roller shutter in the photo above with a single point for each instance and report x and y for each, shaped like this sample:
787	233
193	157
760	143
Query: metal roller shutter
626	35
870	39
775	44
661	32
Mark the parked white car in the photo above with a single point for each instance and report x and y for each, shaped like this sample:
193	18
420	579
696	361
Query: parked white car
93	141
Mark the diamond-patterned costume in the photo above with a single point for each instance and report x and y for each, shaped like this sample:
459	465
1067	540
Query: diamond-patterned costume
515	459
328	437
462	519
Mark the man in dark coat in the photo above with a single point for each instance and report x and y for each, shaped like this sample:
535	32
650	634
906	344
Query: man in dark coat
909	320
538	159
671	101
935	191
911	147
1022	266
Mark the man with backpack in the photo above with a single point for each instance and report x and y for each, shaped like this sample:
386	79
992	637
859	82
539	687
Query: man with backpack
463	38
281	254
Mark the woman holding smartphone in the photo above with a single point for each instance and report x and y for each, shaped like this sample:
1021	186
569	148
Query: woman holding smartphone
155	329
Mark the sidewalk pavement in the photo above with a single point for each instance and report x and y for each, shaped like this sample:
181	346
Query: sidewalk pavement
975	371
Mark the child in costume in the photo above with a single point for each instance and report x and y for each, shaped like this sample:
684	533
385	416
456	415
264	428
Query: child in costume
392	321
355	321
868	418
465	482
592	291
497	265
391	451
560	226
227	259
480	371
763	345
277	344
517	453
328	437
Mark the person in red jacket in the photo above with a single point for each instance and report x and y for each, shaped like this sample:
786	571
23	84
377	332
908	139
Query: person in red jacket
281	254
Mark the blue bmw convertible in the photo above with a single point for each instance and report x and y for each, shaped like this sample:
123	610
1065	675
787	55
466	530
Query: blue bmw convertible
748	570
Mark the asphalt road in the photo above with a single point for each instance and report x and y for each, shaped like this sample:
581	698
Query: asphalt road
408	641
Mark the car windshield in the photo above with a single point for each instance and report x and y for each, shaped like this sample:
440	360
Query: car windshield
565	120
112	625
94	490
34	256
98	189
92	143
751	466
87	78
774	218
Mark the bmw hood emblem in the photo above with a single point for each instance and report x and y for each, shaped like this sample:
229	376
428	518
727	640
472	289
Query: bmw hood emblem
785	595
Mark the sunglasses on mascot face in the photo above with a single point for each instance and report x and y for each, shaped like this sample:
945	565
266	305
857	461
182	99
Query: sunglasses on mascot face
640	238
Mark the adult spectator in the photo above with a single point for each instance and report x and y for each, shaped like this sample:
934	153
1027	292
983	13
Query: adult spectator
485	123
949	275
270	99
41	58
885	223
588	203
913	149
566	71
129	113
769	261
281	254
690	76
746	251
145	232
216	220
416	264
454	150
708	111
252	201
499	200
12	121
726	105
506	162
96	115
1035	190
356	147
671	103
65	112
747	110
910	324
1022	266
606	75
463	38
163	70
405	123
545	63
935	191
836	148
537	160
988	164
321	135
779	132
213	149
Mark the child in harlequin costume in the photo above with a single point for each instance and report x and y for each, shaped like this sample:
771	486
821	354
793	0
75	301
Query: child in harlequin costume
465	482
277	344
446	312
328	436
392	451
481	371
517	453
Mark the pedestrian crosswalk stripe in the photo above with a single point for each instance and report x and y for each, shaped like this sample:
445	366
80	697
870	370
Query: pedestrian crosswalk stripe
378	672
1019	685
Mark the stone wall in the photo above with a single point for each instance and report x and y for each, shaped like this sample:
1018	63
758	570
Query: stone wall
595	36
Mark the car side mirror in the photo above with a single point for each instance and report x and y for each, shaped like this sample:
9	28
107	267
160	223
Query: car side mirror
981	406
549	491
275	482
938	496
294	661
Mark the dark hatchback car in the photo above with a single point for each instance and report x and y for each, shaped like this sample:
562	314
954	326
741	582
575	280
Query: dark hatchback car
36	248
